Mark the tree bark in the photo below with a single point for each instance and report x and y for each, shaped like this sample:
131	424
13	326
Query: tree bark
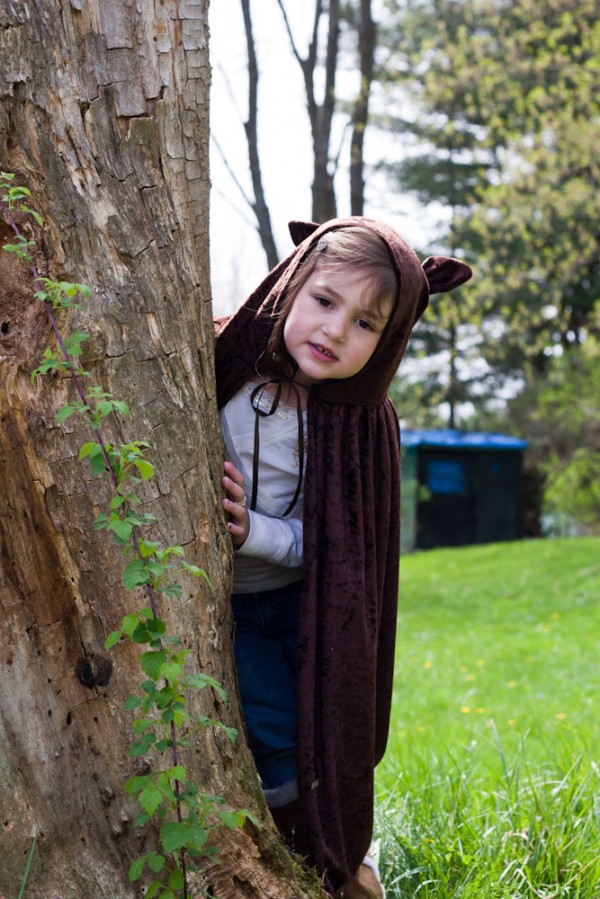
104	116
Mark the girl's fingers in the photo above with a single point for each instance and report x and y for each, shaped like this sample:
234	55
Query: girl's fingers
232	472
235	508
235	490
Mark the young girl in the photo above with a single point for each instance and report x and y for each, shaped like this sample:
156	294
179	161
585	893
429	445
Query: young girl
312	487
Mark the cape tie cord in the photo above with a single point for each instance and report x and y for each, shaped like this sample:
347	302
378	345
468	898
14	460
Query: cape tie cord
255	398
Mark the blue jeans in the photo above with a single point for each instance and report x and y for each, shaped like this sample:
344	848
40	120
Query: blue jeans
265	646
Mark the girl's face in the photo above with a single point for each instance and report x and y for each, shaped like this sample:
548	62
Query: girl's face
330	331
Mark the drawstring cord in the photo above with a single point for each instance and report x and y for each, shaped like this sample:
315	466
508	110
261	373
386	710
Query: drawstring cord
255	398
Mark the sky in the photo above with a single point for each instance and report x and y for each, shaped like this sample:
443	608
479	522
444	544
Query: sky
237	260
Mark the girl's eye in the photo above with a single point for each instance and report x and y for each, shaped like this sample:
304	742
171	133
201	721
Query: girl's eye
323	301
363	323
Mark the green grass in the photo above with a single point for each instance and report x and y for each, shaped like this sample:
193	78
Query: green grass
490	785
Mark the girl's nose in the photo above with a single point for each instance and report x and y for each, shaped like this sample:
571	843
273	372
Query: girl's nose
335	327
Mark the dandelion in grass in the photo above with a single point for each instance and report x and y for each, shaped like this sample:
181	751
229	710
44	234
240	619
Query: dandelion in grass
428	664
512	684
512	722
480	663
555	616
560	716
465	709
480	710
470	677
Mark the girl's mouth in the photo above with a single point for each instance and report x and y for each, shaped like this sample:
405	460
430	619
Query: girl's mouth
322	352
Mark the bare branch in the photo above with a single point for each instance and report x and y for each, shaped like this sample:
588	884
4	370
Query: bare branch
288	28
336	159
229	88
234	177
248	221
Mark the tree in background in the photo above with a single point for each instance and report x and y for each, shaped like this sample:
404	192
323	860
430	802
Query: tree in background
508	89
534	226
339	32
558	411
444	162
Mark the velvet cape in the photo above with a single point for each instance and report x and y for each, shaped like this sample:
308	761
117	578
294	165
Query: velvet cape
351	527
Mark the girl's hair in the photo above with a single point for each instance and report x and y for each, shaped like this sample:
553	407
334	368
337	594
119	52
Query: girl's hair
351	250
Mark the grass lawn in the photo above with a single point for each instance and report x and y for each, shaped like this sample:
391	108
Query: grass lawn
490	785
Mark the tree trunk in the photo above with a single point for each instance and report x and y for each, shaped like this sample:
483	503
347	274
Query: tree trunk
104	116
259	206
324	206
367	38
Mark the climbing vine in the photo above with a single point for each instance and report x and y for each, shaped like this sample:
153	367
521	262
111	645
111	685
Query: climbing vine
186	816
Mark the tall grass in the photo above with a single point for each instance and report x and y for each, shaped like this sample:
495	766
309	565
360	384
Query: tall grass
490	785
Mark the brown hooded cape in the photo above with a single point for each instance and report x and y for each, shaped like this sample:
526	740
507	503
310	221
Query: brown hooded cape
351	547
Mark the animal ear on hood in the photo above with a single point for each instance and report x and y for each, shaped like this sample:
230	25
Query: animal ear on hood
301	230
444	273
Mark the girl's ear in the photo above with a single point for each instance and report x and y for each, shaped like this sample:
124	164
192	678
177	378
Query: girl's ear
445	273
301	230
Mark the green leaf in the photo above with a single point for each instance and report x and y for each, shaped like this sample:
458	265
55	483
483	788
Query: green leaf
131	703
130	622
141	634
235	820
157	627
141	746
175	835
136	868
156	862
65	413
150	799
121	529
86	450
121	408
178	772
135	784
232	820
176	879
201	681
148	547
153	889
134	574
112	638
142	724
152	662
145	469
34	213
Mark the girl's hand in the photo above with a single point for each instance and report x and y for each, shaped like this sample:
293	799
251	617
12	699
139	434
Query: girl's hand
235	504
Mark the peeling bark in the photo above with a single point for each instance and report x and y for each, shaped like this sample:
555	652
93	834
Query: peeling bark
104	116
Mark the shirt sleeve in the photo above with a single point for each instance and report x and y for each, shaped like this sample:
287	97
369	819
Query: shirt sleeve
274	540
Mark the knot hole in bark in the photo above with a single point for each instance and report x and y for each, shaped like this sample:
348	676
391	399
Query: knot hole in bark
93	671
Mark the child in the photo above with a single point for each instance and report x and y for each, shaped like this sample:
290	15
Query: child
313	501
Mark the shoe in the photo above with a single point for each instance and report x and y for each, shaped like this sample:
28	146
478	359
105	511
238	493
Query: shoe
366	883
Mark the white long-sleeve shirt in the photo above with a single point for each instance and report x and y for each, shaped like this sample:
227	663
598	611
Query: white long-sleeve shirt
271	556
